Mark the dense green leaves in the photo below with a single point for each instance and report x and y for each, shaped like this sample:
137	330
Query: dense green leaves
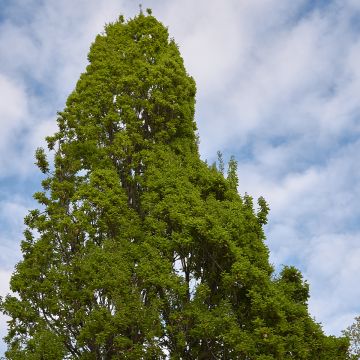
140	249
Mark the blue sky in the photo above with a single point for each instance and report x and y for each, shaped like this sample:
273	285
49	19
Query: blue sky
278	86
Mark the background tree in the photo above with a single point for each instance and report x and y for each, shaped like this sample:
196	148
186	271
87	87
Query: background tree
139	250
353	333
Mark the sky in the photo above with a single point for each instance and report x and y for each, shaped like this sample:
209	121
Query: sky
278	86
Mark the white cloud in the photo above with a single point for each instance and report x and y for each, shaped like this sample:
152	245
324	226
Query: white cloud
4	282
14	119
286	78
4	290
12	213
333	265
22	129
13	109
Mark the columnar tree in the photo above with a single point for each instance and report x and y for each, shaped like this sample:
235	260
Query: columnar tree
140	250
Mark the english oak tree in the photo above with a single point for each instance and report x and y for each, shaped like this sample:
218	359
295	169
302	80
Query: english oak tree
140	250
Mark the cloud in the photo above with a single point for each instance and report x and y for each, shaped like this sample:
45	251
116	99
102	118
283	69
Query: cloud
333	262
4	289
19	121
281	78
14	118
38	44
13	108
12	213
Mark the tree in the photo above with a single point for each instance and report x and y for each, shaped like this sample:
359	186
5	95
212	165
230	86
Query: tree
353	333
140	250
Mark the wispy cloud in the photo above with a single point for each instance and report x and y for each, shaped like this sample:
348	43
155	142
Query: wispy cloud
4	289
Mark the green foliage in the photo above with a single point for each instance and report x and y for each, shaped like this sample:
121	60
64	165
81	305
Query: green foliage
232	174
41	161
142	250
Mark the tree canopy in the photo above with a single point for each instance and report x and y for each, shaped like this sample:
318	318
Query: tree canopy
139	249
